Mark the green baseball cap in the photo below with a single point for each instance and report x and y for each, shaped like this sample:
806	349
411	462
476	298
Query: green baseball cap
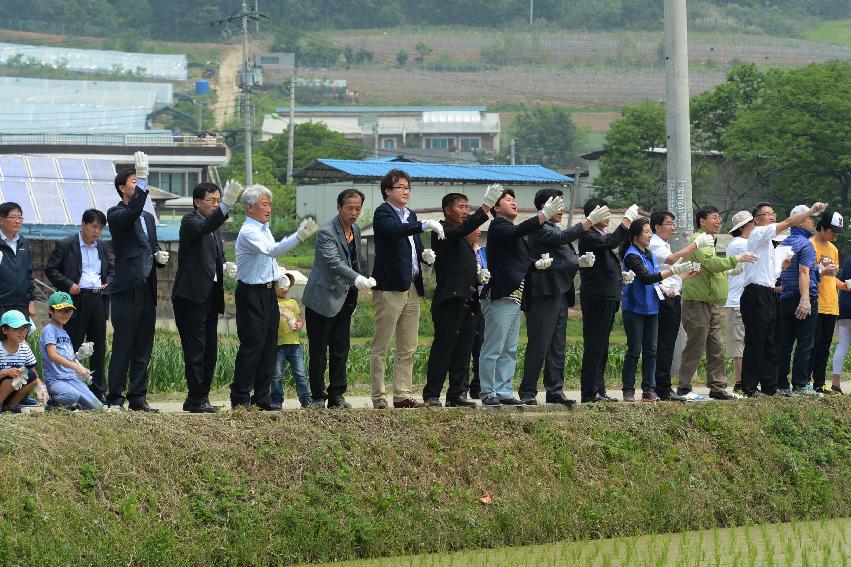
60	300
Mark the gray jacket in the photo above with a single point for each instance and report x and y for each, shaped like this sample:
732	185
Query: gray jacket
333	272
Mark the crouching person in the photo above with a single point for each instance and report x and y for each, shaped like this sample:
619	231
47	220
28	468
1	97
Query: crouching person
65	377
17	363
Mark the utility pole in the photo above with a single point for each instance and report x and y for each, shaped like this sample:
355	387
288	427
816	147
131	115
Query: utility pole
291	130
513	161
246	78
257	10
677	119
531	11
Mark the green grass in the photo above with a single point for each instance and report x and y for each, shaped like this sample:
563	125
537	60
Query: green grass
248	488
822	542
836	31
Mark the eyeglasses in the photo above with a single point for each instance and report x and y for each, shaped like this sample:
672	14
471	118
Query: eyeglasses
402	187
14	218
668	224
770	214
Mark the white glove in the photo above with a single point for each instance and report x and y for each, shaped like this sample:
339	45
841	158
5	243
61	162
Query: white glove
85	375
85	351
704	240
20	380
848	284
552	207
41	392
231	193
229	269
306	229
283	280
161	257
544	263
631	213
484	276
790	254
141	159
364	283
804	308
817	208
628	277
695	267
680	267
587	260
434	225
746	257
737	271
429	256
372	282
492	193
599	214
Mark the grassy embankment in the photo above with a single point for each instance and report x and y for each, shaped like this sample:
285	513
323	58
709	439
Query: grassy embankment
248	488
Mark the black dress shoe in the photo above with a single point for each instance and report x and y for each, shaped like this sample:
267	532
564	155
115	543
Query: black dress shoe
671	396
143	407
460	403
721	395
561	400
338	402
510	401
593	399
265	406
606	398
204	407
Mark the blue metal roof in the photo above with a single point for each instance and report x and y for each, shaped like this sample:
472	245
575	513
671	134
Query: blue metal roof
381	109
341	170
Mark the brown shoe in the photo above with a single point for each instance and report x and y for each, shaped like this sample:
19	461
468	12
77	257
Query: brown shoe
380	403
409	403
629	397
649	397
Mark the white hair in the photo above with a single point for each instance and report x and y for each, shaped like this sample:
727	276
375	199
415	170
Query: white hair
252	195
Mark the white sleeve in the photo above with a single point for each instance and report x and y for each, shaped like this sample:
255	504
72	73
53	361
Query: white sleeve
762	234
660	252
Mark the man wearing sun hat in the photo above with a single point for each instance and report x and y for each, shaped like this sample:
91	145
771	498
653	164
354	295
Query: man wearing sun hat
742	227
829	225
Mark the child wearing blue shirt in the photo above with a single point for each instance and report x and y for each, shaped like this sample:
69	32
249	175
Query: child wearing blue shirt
64	375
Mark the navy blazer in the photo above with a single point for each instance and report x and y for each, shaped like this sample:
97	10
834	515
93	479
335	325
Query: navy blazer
602	281
509	259
392	268
558	278
65	265
130	245
455	267
200	259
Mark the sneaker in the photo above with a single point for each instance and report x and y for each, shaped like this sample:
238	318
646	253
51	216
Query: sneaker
115	408
836	389
737	388
491	402
786	392
317	404
606	398
692	397
649	397
338	402
721	395
683	392
807	391
756	394
532	401
433	402
380	403
826	390
671	396
29	401
628	397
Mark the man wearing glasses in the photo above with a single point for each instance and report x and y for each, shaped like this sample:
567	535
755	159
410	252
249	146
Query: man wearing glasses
759	302
704	296
399	285
17	289
198	294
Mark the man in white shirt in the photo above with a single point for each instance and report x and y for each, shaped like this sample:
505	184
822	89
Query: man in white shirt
670	310
257	314
758	303
742	226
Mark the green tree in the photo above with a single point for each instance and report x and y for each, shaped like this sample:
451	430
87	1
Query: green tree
628	173
402	58
547	135
423	50
798	134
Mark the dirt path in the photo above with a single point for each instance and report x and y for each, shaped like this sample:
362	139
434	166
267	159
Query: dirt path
226	90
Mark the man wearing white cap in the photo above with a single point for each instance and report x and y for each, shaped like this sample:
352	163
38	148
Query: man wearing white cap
827	259
759	302
742	227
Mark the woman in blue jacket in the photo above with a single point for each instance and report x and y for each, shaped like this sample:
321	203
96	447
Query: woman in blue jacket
640	296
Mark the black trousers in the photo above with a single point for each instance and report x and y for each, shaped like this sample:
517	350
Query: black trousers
800	333
670	314
825	325
133	320
474	386
598	317
546	328
329	345
257	319
455	327
89	323
196	324
759	360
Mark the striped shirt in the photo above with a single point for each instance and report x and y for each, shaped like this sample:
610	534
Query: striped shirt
21	358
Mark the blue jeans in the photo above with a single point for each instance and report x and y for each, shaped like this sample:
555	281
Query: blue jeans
295	356
66	393
498	358
641	337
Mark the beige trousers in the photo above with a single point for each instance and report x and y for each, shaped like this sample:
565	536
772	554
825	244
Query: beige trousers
397	314
703	323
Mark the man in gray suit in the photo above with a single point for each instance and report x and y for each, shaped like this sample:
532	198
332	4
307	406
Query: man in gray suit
330	298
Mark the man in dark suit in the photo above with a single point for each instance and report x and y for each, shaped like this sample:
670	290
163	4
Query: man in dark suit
600	297
83	266
198	294
547	300
455	305
399	285
134	288
330	298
